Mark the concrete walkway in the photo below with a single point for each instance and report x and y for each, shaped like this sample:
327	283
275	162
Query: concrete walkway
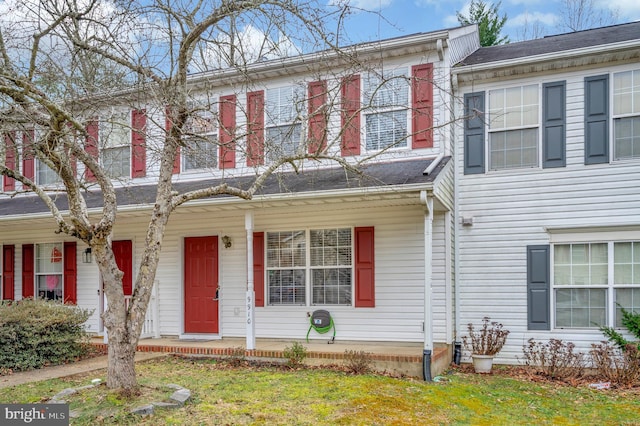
58	371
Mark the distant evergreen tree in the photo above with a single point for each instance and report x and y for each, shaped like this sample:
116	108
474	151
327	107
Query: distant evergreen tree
489	22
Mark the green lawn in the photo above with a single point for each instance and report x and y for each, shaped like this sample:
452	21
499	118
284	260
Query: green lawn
248	395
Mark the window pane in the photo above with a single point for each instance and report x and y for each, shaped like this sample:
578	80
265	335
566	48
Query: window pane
116	161
386	89
513	149
49	287
626	88
49	258
627	298
283	141
386	130
627	137
330	251
513	107
200	153
583	308
286	287
46	176
115	130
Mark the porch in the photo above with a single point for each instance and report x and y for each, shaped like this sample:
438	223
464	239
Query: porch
396	357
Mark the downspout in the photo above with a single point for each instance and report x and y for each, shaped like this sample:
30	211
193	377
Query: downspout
457	344
251	295
428	267
433	164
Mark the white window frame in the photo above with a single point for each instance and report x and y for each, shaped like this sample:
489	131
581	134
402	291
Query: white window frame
201	128
308	268
632	113
44	251
285	109
612	312
381	97
498	125
107	143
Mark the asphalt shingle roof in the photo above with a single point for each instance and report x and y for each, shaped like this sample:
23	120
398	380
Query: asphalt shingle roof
556	43
405	172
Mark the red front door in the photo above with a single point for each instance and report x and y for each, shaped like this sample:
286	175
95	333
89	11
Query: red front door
122	250
200	285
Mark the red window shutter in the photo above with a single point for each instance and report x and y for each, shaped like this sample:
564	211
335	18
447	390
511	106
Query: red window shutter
8	274
28	166
10	160
138	143
91	146
255	127
227	132
317	117
28	273
258	267
168	124
365	267
70	273
123	252
350	117
422	105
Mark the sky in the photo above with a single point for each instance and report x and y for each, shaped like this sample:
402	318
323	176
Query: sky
526	19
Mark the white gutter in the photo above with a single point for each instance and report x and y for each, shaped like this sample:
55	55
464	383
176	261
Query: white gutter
428	269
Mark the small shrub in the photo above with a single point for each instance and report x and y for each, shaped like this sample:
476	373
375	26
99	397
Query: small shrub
554	359
358	362
295	354
488	340
235	357
631	321
616	365
34	333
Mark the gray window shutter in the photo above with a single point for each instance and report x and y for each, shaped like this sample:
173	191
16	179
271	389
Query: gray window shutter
554	124
474	133
596	119
538	288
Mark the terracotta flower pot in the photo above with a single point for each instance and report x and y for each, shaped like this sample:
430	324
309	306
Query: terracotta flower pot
482	363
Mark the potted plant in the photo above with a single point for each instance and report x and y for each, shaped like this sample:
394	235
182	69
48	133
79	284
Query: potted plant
485	343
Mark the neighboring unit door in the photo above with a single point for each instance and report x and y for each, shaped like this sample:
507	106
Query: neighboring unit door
200	285
123	252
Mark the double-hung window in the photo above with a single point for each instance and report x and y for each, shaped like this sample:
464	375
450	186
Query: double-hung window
317	263
115	144
592	280
513	127
284	112
201	140
49	271
385	106
626	114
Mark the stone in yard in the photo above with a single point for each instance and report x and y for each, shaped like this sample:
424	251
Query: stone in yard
64	392
165	404
181	396
174	386
144	410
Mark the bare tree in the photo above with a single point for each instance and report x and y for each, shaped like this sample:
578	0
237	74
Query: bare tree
578	15
65	63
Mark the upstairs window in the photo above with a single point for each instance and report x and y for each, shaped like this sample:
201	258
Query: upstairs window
284	111
45	175
115	144
386	100
513	127
626	114
201	140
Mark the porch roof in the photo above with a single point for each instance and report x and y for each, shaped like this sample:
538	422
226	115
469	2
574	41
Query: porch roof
382	176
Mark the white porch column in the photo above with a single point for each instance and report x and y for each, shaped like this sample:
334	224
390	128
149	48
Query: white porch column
251	295
428	267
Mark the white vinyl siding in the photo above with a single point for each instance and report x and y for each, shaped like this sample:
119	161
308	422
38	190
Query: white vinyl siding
626	114
513	127
385	104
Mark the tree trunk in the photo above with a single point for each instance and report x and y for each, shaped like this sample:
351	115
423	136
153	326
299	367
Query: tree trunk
121	373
